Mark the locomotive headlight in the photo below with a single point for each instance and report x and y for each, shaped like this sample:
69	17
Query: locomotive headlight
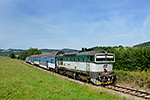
112	78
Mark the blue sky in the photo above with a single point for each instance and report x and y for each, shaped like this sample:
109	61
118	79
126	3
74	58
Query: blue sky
57	24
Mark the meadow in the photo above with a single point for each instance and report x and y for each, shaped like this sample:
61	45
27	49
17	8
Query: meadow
20	81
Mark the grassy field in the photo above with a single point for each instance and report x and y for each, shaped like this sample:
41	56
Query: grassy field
135	79
20	81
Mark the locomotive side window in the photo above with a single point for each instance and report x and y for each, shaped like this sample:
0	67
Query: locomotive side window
83	59
52	60
90	58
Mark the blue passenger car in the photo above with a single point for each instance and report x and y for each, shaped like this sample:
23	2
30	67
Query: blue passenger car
47	61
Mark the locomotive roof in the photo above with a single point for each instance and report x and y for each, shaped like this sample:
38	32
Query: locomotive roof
47	55
101	52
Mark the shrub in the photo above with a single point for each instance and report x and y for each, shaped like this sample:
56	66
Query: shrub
148	85
12	55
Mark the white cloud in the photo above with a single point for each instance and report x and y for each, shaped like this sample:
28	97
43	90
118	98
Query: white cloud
146	23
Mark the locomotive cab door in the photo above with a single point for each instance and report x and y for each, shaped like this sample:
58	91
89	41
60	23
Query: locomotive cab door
60	62
88	64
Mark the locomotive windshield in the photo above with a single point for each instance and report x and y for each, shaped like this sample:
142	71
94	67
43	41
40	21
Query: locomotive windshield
105	58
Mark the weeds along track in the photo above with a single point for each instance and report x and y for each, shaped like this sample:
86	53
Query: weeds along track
125	90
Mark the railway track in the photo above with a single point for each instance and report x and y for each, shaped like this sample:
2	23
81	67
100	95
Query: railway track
131	91
126	90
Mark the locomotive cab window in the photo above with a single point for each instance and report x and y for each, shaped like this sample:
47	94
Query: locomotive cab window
104	58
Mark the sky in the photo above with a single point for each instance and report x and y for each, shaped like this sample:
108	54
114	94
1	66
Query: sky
76	24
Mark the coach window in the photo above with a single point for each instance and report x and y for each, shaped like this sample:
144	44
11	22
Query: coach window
74	59
70	59
78	59
52	60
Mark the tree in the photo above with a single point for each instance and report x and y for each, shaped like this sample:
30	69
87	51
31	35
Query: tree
23	55
28	53
12	55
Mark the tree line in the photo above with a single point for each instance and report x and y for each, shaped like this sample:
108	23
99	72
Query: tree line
130	58
126	58
26	53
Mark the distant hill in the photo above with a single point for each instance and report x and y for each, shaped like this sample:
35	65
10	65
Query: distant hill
145	44
49	50
54	50
68	50
17	51
7	52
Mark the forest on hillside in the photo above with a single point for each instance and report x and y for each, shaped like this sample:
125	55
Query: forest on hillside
145	44
130	58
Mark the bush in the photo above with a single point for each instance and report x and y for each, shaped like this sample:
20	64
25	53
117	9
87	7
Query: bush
130	58
12	55
148	85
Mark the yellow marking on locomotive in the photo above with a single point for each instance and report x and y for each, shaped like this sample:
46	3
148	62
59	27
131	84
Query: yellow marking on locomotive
103	83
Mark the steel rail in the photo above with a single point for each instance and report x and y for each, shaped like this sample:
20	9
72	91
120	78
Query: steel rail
131	91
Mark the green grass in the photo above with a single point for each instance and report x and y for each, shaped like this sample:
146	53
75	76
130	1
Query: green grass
20	81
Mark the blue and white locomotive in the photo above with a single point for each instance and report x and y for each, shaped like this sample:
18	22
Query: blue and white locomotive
94	66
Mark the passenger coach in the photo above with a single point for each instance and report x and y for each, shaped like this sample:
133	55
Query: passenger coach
47	60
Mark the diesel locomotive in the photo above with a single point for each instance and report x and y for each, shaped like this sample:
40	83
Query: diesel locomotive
91	66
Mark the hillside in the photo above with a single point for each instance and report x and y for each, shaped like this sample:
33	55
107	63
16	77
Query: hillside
145	44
